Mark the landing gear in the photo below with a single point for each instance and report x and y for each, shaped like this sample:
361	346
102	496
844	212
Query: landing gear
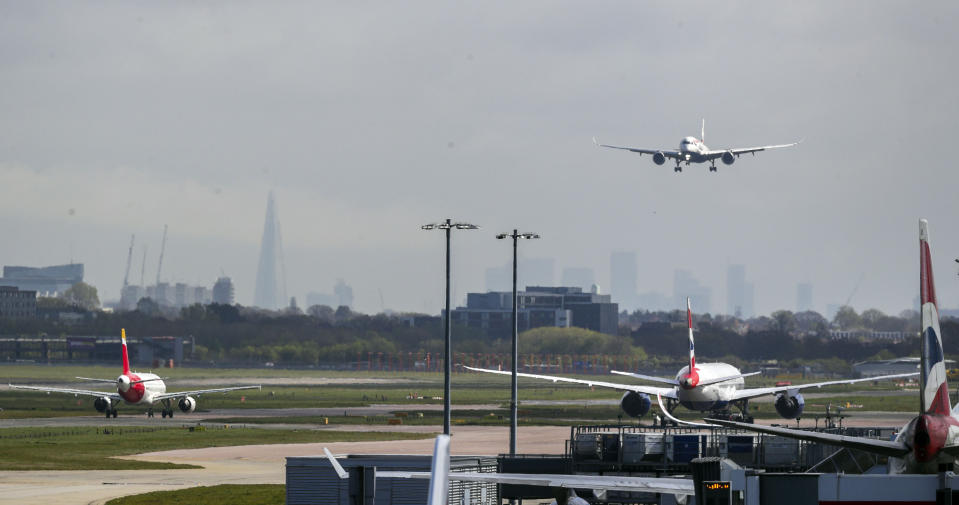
712	168
744	416
678	168
167	409
150	413
111	413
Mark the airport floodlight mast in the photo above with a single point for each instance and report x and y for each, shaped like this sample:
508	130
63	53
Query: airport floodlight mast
448	226
514	396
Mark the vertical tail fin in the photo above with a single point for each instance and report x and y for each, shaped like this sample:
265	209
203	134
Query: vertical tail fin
702	133
439	472
692	345
934	398
126	358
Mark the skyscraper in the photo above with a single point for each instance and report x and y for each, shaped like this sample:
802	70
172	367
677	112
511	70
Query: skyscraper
623	276
736	291
803	297
270	291
685	285
223	291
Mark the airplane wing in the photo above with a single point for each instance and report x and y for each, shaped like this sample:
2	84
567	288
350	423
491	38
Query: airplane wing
650	390
596	482
112	395
754	392
894	449
666	152
717	153
181	394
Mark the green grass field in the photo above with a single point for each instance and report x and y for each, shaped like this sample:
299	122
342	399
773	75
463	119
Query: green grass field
226	494
96	448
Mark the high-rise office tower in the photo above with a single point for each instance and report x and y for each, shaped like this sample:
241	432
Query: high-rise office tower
270	291
623	278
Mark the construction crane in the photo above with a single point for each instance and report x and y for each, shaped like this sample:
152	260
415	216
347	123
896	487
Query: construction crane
126	276
855	288
143	267
162	250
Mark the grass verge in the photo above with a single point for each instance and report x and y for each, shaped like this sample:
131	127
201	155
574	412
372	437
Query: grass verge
97	448
224	494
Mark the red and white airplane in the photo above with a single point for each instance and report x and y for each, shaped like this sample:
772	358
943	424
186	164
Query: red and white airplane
136	389
929	442
693	150
703	387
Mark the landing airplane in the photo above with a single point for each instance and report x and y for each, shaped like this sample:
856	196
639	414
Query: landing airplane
703	387
693	150
930	441
136	389
563	485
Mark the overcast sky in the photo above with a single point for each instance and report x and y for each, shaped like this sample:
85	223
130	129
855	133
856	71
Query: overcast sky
370	119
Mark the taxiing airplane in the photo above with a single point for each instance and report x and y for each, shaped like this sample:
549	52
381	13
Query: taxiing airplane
703	387
929	442
564	485
136	389
693	150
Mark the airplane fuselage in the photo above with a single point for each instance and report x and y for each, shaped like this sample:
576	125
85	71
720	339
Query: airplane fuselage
710	397
693	150
927	435
140	393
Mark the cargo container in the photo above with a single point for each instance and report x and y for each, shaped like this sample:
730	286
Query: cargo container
640	447
588	446
610	447
682	448
738	448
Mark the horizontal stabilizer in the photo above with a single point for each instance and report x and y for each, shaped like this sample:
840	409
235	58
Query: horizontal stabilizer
652	378
717	380
111	381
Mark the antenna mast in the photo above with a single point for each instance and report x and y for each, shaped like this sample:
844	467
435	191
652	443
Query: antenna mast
162	250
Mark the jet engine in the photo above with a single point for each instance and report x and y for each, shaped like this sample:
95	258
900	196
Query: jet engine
102	404
659	158
790	406
728	157
187	404
123	383
635	404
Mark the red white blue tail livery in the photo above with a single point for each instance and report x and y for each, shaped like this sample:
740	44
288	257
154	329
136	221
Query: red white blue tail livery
932	378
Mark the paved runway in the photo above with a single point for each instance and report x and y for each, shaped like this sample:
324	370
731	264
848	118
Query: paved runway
256	464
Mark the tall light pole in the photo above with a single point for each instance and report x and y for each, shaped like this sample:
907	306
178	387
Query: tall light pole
447	225
513	397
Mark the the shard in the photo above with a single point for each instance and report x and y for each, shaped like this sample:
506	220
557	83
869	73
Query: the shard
270	292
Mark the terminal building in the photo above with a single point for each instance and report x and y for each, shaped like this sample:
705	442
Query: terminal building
17	304
538	306
45	281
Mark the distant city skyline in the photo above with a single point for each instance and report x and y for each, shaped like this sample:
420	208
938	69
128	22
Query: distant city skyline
488	116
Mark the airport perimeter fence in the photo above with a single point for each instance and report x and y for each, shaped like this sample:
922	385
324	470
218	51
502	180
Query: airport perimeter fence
583	364
15	434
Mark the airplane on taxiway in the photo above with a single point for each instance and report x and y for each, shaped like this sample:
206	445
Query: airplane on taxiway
136	389
703	387
693	150
929	442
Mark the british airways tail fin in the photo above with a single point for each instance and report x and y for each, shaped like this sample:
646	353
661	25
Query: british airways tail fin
126	358
702	133
932	376
692	345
